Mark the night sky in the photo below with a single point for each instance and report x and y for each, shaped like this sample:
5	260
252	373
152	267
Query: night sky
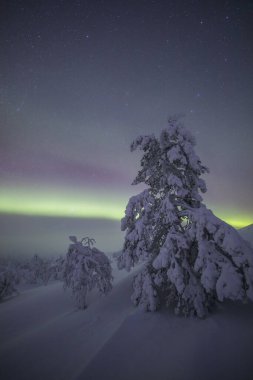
81	79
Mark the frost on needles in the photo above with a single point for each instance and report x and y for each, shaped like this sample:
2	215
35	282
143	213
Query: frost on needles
192	258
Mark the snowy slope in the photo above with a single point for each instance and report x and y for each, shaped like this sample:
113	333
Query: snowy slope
247	233
48	338
163	346
43	336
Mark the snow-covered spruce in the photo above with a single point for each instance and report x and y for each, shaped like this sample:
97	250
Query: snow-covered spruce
193	259
86	268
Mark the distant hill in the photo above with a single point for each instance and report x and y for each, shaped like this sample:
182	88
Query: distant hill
247	233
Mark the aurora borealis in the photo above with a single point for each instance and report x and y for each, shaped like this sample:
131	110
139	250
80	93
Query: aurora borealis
84	205
56	204
81	79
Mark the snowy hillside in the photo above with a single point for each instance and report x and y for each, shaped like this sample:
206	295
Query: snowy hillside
247	233
43	336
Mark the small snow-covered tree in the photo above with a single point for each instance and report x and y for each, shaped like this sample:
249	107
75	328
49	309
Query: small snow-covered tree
57	268
37	270
86	268
193	259
7	283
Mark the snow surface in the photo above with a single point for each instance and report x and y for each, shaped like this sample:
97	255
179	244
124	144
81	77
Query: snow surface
44	336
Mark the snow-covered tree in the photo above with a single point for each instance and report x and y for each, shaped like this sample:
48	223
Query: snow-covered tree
192	258
36	270
86	268
7	283
57	268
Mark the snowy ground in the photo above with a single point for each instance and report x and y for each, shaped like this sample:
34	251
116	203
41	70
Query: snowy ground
43	336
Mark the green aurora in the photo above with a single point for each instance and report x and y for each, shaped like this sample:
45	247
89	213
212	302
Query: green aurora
88	204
